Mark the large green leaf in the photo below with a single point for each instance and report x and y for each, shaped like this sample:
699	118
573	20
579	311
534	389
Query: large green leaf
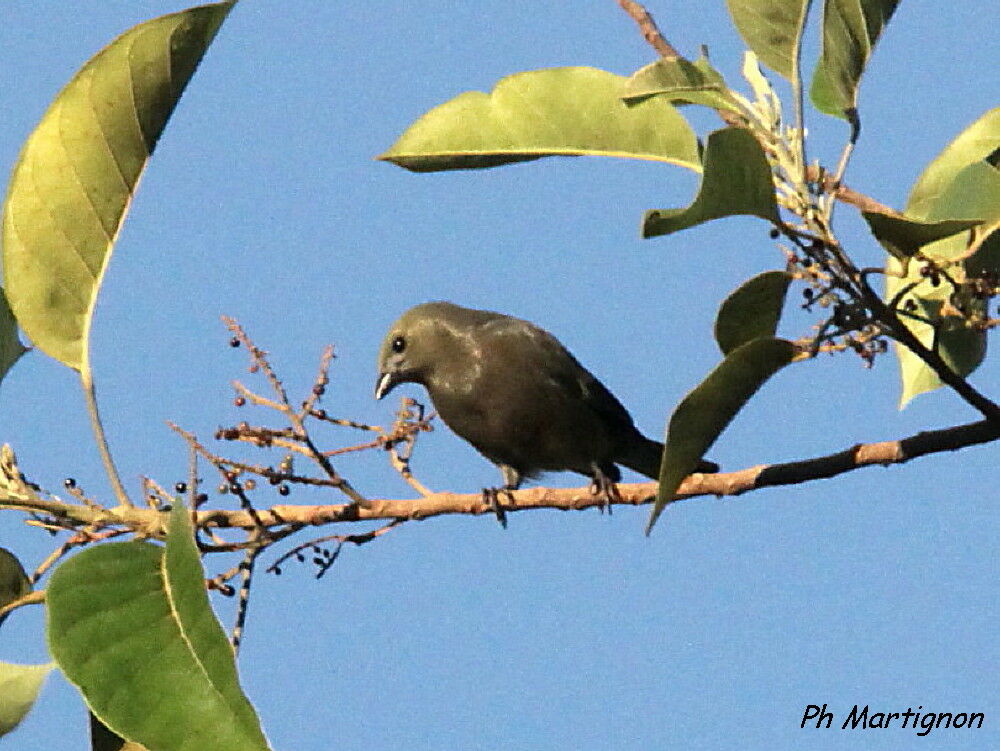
772	29
551	112
112	607
974	144
974	190
77	172
681	81
19	687
737	180
10	345
706	411
14	582
850	30
752	311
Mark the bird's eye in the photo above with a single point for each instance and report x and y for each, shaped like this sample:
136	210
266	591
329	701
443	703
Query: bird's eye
398	344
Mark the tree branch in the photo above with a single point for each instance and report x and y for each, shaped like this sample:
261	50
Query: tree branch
648	27
152	522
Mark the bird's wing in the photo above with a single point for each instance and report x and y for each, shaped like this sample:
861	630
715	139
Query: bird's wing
527	346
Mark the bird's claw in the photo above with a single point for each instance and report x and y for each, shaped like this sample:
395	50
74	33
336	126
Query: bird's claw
607	490
491	497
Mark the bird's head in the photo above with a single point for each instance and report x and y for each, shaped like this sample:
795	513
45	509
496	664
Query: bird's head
417	345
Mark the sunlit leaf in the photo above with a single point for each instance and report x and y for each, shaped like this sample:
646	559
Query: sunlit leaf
113	606
752	310
681	81
974	189
706	411
551	112
736	180
77	172
772	29
974	144
850	30
19	687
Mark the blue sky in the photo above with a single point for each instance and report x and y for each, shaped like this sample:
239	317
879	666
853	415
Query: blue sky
567	631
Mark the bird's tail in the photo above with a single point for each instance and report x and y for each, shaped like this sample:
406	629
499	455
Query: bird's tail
643	456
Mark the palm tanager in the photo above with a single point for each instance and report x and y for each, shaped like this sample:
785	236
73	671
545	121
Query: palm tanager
517	395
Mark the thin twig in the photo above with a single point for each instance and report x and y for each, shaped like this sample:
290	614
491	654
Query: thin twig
649	30
32	598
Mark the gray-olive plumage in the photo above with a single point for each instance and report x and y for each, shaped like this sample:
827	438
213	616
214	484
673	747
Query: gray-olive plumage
515	393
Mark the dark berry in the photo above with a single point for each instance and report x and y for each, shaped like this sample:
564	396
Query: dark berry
283	489
180	488
774	234
70	483
234	342
240	401
201	498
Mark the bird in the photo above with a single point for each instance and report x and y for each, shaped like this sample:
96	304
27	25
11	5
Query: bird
514	392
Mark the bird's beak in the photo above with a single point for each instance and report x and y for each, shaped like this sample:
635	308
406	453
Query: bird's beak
386	382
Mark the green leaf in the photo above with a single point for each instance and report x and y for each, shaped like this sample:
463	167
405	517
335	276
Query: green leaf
551	112
681	81
14	582
11	348
850	30
706	411
903	237
957	183
772	29
974	144
19	687
752	311
963	349
737	180
975	189
113	606
78	170
987	258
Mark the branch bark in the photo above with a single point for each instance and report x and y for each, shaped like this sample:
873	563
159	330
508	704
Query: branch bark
885	453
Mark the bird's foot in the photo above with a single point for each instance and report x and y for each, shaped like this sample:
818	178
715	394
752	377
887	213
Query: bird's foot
607	491
491	497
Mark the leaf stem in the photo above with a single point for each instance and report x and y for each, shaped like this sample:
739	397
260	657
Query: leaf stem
845	157
90	394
